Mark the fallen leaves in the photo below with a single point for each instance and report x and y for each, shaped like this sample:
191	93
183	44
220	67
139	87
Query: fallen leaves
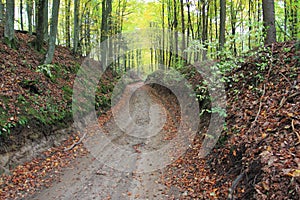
261	140
40	172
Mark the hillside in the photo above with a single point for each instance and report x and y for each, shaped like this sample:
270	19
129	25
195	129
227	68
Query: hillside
258	154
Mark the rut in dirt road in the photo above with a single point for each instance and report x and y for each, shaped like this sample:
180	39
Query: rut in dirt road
124	167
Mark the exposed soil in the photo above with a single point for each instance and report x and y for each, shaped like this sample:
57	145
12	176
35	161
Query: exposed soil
120	172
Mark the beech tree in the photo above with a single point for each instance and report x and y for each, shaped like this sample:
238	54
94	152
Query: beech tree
45	20
76	25
1	12
269	21
67	22
106	30
21	15
40	25
29	8
9	32
53	32
222	23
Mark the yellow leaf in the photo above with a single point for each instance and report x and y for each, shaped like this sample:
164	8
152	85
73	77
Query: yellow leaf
295	173
265	186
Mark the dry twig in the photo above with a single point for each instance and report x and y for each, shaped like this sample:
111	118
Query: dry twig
75	143
298	136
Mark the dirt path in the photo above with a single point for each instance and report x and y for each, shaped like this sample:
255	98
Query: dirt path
125	167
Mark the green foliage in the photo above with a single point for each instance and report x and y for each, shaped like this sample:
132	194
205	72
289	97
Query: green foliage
6	124
220	111
11	43
46	70
102	102
68	92
44	109
49	113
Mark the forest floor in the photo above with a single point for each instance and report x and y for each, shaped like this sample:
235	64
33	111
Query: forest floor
257	156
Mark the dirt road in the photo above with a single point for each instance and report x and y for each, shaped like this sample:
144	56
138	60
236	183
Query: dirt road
125	167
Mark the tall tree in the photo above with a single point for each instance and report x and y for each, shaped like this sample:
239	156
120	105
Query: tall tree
103	33
53	32
105	30
109	26
9	32
233	21
175	24
76	26
1	12
67	20
163	32
294	5
29	6
269	21
182	29
40	25
21	15
205	9
190	30
222	23
45	20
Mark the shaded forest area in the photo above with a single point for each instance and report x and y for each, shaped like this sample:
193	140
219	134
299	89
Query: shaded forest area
254	44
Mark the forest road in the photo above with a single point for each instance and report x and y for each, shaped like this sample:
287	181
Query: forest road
120	168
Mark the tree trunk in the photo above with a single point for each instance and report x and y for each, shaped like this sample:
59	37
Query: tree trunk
67	20
88	32
40	25
29	4
175	22
53	32
295	28
269	21
21	15
109	29
216	21
170	35
190	30
182	29
222	23
36	8
76	26
1	12
163	33
9	32
250	24
103	33
204	28
45	31
106	49
285	19
233	14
